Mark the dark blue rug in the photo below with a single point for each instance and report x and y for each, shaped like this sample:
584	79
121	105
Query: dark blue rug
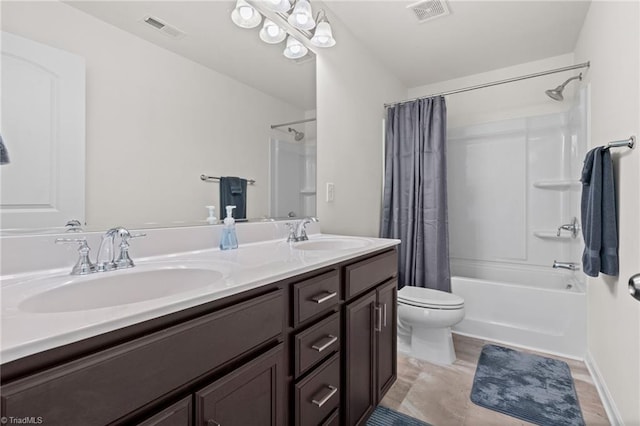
383	416
530	387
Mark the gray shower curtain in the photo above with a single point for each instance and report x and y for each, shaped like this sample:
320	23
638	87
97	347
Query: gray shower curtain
415	192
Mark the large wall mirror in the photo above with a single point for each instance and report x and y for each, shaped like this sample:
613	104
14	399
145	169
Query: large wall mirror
164	101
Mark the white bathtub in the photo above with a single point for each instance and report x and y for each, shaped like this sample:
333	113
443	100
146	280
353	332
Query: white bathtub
540	310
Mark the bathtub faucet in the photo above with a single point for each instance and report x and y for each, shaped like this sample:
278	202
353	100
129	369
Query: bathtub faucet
565	265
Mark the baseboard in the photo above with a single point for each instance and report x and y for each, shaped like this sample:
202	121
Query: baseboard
607	401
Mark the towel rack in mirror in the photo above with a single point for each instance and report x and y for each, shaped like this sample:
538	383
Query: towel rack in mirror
217	179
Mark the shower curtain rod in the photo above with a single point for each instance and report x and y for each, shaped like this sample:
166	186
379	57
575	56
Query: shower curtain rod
494	83
274	126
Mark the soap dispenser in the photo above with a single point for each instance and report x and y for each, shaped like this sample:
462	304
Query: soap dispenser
228	240
212	219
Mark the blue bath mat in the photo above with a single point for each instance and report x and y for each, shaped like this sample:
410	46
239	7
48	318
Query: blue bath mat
530	387
383	416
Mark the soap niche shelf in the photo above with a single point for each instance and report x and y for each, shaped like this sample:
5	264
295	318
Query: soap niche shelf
558	185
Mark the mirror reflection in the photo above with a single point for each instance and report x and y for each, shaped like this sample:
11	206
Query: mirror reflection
140	114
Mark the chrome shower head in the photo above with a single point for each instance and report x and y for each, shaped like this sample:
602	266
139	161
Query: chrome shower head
556	94
298	136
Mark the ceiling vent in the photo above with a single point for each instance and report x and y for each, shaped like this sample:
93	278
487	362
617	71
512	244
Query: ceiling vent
163	27
427	10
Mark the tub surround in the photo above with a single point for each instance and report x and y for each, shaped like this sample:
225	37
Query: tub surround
264	260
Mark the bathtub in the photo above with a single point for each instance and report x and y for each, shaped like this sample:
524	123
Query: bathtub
540	310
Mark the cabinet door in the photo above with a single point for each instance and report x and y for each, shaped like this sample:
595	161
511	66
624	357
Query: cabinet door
178	414
387	337
360	359
249	396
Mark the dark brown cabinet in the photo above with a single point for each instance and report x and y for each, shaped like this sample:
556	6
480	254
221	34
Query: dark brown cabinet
317	349
250	396
386	345
360	358
178	414
370	335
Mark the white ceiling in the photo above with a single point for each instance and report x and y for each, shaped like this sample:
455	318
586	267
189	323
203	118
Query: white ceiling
213	40
477	36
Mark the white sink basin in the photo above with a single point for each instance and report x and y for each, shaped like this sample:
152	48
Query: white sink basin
332	244
107	289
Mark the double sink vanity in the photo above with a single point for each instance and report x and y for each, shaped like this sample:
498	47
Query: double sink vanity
273	333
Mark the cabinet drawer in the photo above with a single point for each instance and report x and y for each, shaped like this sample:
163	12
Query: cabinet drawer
178	414
368	273
315	295
315	343
319	394
101	388
334	419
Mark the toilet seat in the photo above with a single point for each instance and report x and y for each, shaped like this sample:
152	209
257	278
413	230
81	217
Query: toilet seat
429	298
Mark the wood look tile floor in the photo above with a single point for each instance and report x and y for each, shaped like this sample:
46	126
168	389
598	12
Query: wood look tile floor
439	395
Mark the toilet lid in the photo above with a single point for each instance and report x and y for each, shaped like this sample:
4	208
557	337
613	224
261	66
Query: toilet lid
429	298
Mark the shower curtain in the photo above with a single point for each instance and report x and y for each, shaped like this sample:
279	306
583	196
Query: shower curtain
415	192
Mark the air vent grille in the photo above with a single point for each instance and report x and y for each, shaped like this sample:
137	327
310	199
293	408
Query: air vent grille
429	9
159	25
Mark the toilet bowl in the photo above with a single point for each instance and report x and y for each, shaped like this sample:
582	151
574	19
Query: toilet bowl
425	318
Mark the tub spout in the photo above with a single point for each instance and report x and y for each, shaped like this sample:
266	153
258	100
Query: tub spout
565	265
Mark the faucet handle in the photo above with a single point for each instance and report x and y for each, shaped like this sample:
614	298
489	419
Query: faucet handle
84	265
292	232
123	260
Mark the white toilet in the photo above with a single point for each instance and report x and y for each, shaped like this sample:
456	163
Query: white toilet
425	318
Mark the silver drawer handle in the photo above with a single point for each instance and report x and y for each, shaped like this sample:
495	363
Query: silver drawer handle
212	422
327	397
327	295
332	340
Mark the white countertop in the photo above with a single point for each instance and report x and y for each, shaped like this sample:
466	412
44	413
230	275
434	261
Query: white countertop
250	266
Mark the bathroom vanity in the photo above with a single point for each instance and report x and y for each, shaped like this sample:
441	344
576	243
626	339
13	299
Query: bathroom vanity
317	347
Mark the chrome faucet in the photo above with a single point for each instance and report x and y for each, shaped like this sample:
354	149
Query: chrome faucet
106	260
299	232
84	265
565	265
573	227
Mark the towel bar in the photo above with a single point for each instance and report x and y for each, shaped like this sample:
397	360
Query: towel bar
217	178
629	143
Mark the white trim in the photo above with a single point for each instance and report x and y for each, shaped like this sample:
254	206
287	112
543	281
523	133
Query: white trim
607	400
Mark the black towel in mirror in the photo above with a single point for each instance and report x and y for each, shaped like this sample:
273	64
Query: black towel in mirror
233	192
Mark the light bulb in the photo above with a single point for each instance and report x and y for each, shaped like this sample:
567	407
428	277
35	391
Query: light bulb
246	12
273	30
302	19
295	49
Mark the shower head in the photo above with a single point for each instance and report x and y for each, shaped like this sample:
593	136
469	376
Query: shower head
556	94
298	136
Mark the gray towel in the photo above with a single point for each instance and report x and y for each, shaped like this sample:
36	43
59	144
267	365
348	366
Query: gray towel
233	192
4	154
598	208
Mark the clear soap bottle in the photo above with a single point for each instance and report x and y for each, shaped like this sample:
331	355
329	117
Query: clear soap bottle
229	240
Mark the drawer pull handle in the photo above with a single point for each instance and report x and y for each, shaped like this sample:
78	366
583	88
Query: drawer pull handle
327	397
384	315
378	318
321	298
212	422
331	341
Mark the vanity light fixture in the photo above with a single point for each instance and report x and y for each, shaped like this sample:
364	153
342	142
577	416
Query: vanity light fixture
280	19
245	16
294	49
281	6
323	36
271	33
301	17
